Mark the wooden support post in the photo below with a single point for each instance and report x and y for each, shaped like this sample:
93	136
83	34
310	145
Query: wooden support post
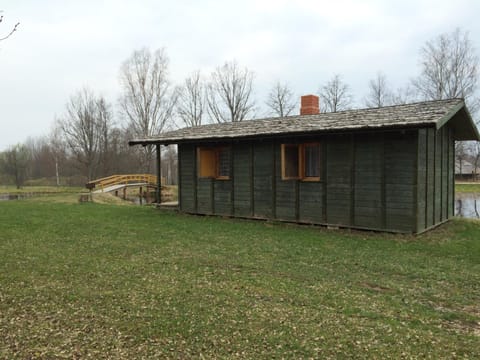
125	193
141	195
158	192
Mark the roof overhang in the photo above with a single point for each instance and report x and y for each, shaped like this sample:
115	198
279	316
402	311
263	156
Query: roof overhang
461	122
227	139
437	113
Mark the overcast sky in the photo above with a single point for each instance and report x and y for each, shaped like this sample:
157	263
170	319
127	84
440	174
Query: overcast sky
62	46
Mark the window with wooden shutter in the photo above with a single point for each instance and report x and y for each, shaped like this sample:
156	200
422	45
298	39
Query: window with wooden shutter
214	162
301	161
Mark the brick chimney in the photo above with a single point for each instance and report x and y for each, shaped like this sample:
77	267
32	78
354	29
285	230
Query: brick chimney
309	105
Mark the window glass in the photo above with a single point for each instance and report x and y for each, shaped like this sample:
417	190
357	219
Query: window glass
291	161
312	160
301	161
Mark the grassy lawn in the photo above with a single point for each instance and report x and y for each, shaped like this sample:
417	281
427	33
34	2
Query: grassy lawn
9	189
105	281
466	187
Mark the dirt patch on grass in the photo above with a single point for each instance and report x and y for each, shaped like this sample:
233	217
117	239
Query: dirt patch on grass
376	287
107	198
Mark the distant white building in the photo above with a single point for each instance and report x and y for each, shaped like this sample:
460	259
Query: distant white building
466	170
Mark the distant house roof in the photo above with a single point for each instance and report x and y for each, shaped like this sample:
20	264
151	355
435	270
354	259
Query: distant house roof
422	114
465	168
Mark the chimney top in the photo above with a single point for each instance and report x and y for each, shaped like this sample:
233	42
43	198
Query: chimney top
309	105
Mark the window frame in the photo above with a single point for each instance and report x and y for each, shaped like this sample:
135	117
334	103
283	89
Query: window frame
283	148
301	161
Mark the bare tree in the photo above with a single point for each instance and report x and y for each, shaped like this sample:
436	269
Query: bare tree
191	100
170	165
475	150
280	100
58	150
105	123
15	162
229	93
404	95
82	127
4	37
449	69
147	100
335	95
379	93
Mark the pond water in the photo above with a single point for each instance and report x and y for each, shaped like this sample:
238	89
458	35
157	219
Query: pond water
5	197
467	205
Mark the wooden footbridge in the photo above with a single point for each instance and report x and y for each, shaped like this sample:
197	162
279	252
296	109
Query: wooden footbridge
117	182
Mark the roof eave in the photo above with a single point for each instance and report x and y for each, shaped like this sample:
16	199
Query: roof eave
464	128
169	141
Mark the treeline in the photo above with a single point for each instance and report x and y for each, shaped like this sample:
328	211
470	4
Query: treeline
88	141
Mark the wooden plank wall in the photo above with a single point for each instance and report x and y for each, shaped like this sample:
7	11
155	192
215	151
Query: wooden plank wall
339	180
187	178
397	181
369	182
435	177
263	180
242	155
400	181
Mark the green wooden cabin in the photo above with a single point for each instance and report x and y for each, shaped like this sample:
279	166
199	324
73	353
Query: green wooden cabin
389	169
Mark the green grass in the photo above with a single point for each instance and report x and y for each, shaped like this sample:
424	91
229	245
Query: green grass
104	281
466	187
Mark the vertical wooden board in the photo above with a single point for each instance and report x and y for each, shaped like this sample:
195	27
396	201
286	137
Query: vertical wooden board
285	191
242	192
186	154
438	178
451	174
339	172
400	180
263	179
444	174
222	191
421	179
430	183
368	181
311	202
205	196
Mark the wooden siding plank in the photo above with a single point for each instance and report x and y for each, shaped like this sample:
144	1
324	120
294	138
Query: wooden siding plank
430	177
311	197
338	178
421	179
187	177
438	178
400	195
263	179
451	174
444	173
222	191
242	189
204	196
368	174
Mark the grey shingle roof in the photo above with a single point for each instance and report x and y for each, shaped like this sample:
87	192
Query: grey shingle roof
429	113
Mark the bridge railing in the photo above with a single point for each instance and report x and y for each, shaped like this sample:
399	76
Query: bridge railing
122	179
